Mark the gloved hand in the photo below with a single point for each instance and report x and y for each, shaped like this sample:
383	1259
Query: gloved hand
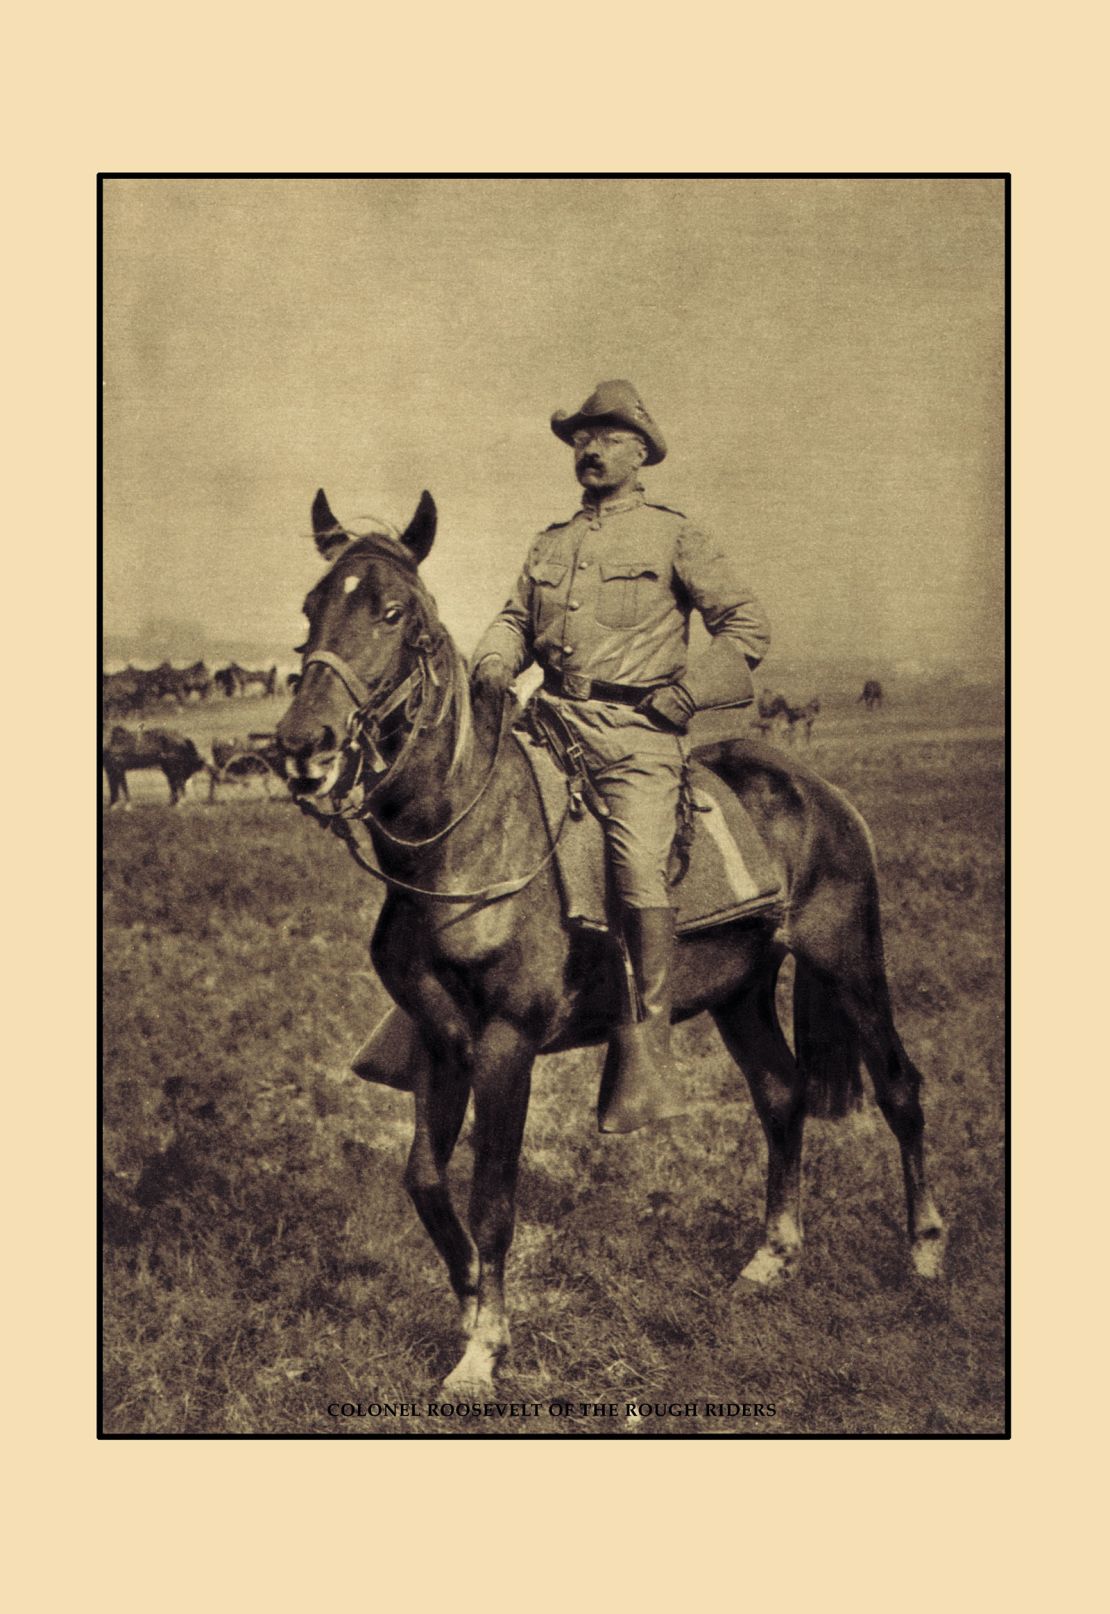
491	676
671	706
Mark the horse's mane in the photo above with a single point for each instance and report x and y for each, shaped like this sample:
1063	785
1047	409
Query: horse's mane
450	700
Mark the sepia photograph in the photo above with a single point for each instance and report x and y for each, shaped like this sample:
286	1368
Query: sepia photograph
553	757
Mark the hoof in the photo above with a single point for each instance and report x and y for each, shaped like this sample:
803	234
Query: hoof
465	1387
927	1256
472	1377
767	1268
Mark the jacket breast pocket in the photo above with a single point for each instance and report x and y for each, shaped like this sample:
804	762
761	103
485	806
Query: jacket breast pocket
546	577
547	573
625	592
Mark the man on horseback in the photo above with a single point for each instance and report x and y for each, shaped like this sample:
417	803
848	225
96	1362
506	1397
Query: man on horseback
603	604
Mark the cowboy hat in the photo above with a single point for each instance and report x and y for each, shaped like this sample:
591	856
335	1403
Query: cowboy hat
619	402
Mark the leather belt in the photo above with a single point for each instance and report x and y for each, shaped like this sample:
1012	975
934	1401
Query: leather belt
573	686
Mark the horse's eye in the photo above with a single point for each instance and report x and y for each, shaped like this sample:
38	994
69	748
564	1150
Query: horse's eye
392	613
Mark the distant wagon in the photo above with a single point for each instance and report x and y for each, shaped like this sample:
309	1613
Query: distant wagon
255	761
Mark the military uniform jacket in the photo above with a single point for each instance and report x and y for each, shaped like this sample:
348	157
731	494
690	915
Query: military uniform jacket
608	595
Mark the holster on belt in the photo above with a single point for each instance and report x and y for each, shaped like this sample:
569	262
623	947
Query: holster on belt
547	728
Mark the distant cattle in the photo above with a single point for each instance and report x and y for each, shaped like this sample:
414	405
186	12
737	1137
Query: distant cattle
236	680
871	695
128	749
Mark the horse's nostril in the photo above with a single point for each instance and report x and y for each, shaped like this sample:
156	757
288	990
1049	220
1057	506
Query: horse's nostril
327	738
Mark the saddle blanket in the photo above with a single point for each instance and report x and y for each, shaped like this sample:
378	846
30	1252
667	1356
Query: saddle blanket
729	877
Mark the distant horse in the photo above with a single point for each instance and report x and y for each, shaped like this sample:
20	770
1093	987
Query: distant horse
768	709
871	695
124	692
126	750
236	680
772	710
384	745
265	679
178	683
805	715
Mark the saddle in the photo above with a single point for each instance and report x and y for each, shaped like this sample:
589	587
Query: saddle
722	871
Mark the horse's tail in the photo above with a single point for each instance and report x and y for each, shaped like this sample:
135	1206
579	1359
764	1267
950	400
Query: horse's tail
827	1044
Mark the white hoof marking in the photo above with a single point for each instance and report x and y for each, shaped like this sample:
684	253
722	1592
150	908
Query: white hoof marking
768	1266
927	1256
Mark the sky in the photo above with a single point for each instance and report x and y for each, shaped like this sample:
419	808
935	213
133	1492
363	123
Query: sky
824	357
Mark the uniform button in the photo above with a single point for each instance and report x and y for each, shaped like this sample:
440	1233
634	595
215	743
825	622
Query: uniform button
572	605
583	564
568	650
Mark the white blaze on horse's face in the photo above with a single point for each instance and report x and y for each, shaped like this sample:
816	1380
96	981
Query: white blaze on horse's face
357	615
356	641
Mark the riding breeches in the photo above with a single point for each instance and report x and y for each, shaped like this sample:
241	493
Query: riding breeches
636	769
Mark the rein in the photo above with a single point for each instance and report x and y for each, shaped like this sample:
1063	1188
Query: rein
363	733
488	893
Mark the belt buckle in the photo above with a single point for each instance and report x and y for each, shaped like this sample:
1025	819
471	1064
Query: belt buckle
575	686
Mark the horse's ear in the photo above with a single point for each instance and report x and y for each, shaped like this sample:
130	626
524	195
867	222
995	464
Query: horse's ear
329	535
419	535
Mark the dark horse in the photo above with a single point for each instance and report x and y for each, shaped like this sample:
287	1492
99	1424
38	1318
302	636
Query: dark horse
236	680
181	682
127	749
383	743
805	715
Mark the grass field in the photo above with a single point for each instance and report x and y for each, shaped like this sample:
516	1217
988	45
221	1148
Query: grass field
262	1260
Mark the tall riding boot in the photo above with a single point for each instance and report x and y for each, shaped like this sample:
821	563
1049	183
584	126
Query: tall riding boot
639	1083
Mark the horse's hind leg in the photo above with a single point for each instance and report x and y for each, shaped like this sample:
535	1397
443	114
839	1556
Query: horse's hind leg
753	1036
502	1070
897	1082
851	1015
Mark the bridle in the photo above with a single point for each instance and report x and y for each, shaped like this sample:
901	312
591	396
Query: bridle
362	749
364	733
362	746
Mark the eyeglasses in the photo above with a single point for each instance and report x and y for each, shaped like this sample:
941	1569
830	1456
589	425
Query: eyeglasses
608	438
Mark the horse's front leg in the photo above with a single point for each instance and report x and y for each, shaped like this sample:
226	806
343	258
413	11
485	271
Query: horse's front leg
501	1075
442	1091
